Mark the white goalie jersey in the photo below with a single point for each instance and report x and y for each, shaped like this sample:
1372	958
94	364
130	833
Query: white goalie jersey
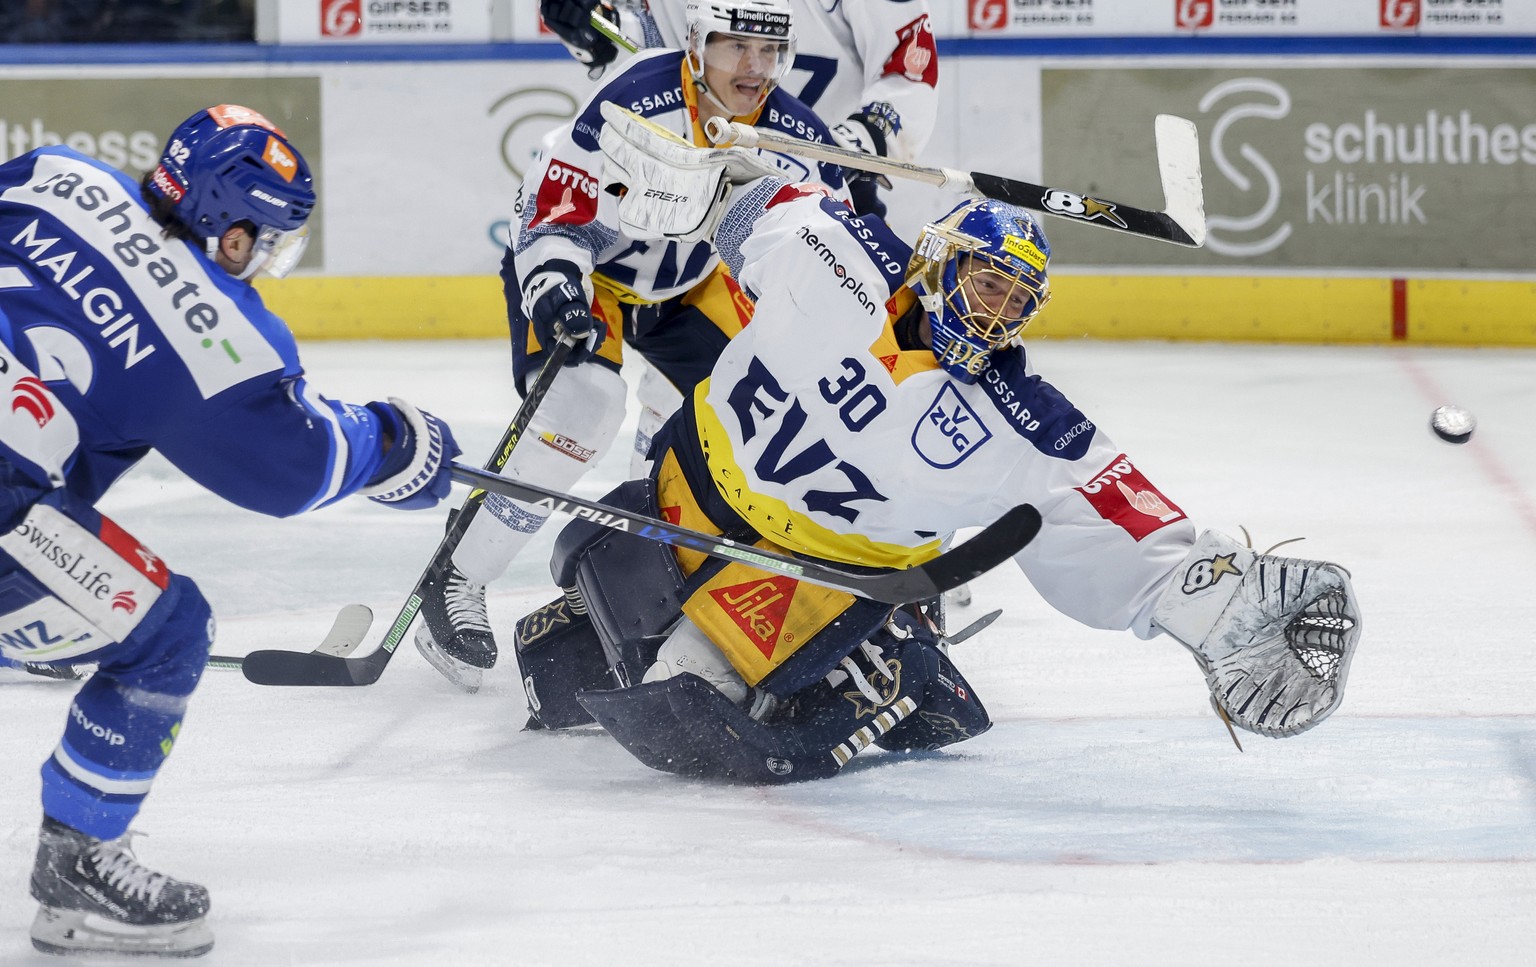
851	54
831	439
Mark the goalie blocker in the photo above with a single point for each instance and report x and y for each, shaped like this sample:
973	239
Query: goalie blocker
871	677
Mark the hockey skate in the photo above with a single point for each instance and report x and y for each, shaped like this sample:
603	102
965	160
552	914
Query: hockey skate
29	674
455	631
98	899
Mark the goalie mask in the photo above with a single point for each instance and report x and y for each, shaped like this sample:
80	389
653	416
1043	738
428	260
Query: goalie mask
739	50
980	274
228	165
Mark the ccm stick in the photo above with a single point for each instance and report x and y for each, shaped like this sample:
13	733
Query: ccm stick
1182	222
328	664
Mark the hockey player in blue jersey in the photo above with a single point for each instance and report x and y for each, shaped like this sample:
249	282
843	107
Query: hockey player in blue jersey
128	324
880	401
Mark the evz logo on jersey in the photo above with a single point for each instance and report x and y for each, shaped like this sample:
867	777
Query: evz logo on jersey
567	196
949	430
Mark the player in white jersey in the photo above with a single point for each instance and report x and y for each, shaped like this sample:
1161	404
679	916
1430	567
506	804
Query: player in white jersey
574	263
879	402
869	66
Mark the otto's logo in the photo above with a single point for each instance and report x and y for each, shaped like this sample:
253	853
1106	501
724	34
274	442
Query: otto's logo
1249	97
758	608
31	397
280	158
1124	497
1400	14
125	601
567	196
1194	14
915	57
986	14
1205	574
341	18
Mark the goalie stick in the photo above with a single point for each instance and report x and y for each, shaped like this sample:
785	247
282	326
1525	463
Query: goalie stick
996	543
329	664
1182	222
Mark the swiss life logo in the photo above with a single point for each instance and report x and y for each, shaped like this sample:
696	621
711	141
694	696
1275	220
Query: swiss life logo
986	14
1194	14
1401	14
341	18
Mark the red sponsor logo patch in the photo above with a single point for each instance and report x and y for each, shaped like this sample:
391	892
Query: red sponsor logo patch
986	14
282	160
125	601
567	196
127	547
229	115
567	446
1401	14
758	608
30	396
168	185
341	18
803	189
1124	497
915	57
1194	14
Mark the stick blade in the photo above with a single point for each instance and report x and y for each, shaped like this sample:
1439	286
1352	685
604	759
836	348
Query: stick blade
295	668
999	541
1178	164
347	631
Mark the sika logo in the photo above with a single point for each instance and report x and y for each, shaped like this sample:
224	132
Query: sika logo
30	396
341	18
758	608
987	14
124	601
1194	14
1400	14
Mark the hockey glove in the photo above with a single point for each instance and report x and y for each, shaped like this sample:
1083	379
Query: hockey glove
555	297
571	20
415	474
870	130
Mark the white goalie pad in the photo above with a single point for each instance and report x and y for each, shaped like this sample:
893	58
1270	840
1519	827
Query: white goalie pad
1274	635
672	189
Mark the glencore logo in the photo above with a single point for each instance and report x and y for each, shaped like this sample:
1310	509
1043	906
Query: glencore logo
1400	14
1194	14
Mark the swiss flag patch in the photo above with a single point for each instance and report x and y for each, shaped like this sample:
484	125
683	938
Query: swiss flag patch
567	196
915	57
1124	497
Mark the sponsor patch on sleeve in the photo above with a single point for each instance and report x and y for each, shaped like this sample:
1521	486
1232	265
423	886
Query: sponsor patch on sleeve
915	57
567	196
1124	497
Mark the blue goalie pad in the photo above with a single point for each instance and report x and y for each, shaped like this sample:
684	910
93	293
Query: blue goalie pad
682	725
558	654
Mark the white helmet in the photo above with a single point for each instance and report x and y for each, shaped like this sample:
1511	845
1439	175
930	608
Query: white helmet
760	20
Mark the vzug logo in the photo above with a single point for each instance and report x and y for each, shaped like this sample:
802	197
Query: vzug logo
949	431
1268	100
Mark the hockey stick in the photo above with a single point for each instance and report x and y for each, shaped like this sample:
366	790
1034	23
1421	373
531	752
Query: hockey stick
1178	164
611	30
329	664
996	543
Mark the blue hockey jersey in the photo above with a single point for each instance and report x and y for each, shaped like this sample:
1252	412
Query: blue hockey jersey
115	340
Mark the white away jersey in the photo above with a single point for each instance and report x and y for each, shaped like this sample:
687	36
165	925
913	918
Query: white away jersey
849	53
565	214
830	439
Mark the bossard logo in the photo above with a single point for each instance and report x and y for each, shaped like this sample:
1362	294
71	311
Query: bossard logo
758	608
949	431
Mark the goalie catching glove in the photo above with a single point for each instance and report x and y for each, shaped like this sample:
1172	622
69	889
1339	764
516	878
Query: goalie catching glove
1274	635
671	188
416	470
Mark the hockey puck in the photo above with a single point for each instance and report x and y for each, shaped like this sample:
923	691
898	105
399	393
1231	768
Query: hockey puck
1452	423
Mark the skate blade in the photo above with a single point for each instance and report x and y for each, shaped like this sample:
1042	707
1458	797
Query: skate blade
466	677
71	933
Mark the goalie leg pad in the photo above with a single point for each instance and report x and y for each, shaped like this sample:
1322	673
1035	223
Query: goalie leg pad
950	711
559	654
684	726
1274	635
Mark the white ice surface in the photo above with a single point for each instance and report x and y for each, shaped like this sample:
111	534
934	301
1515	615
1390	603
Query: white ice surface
1106	819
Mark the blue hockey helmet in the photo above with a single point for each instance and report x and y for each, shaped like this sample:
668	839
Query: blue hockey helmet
980	274
228	164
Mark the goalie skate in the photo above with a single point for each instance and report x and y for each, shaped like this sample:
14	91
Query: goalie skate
455	633
98	899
